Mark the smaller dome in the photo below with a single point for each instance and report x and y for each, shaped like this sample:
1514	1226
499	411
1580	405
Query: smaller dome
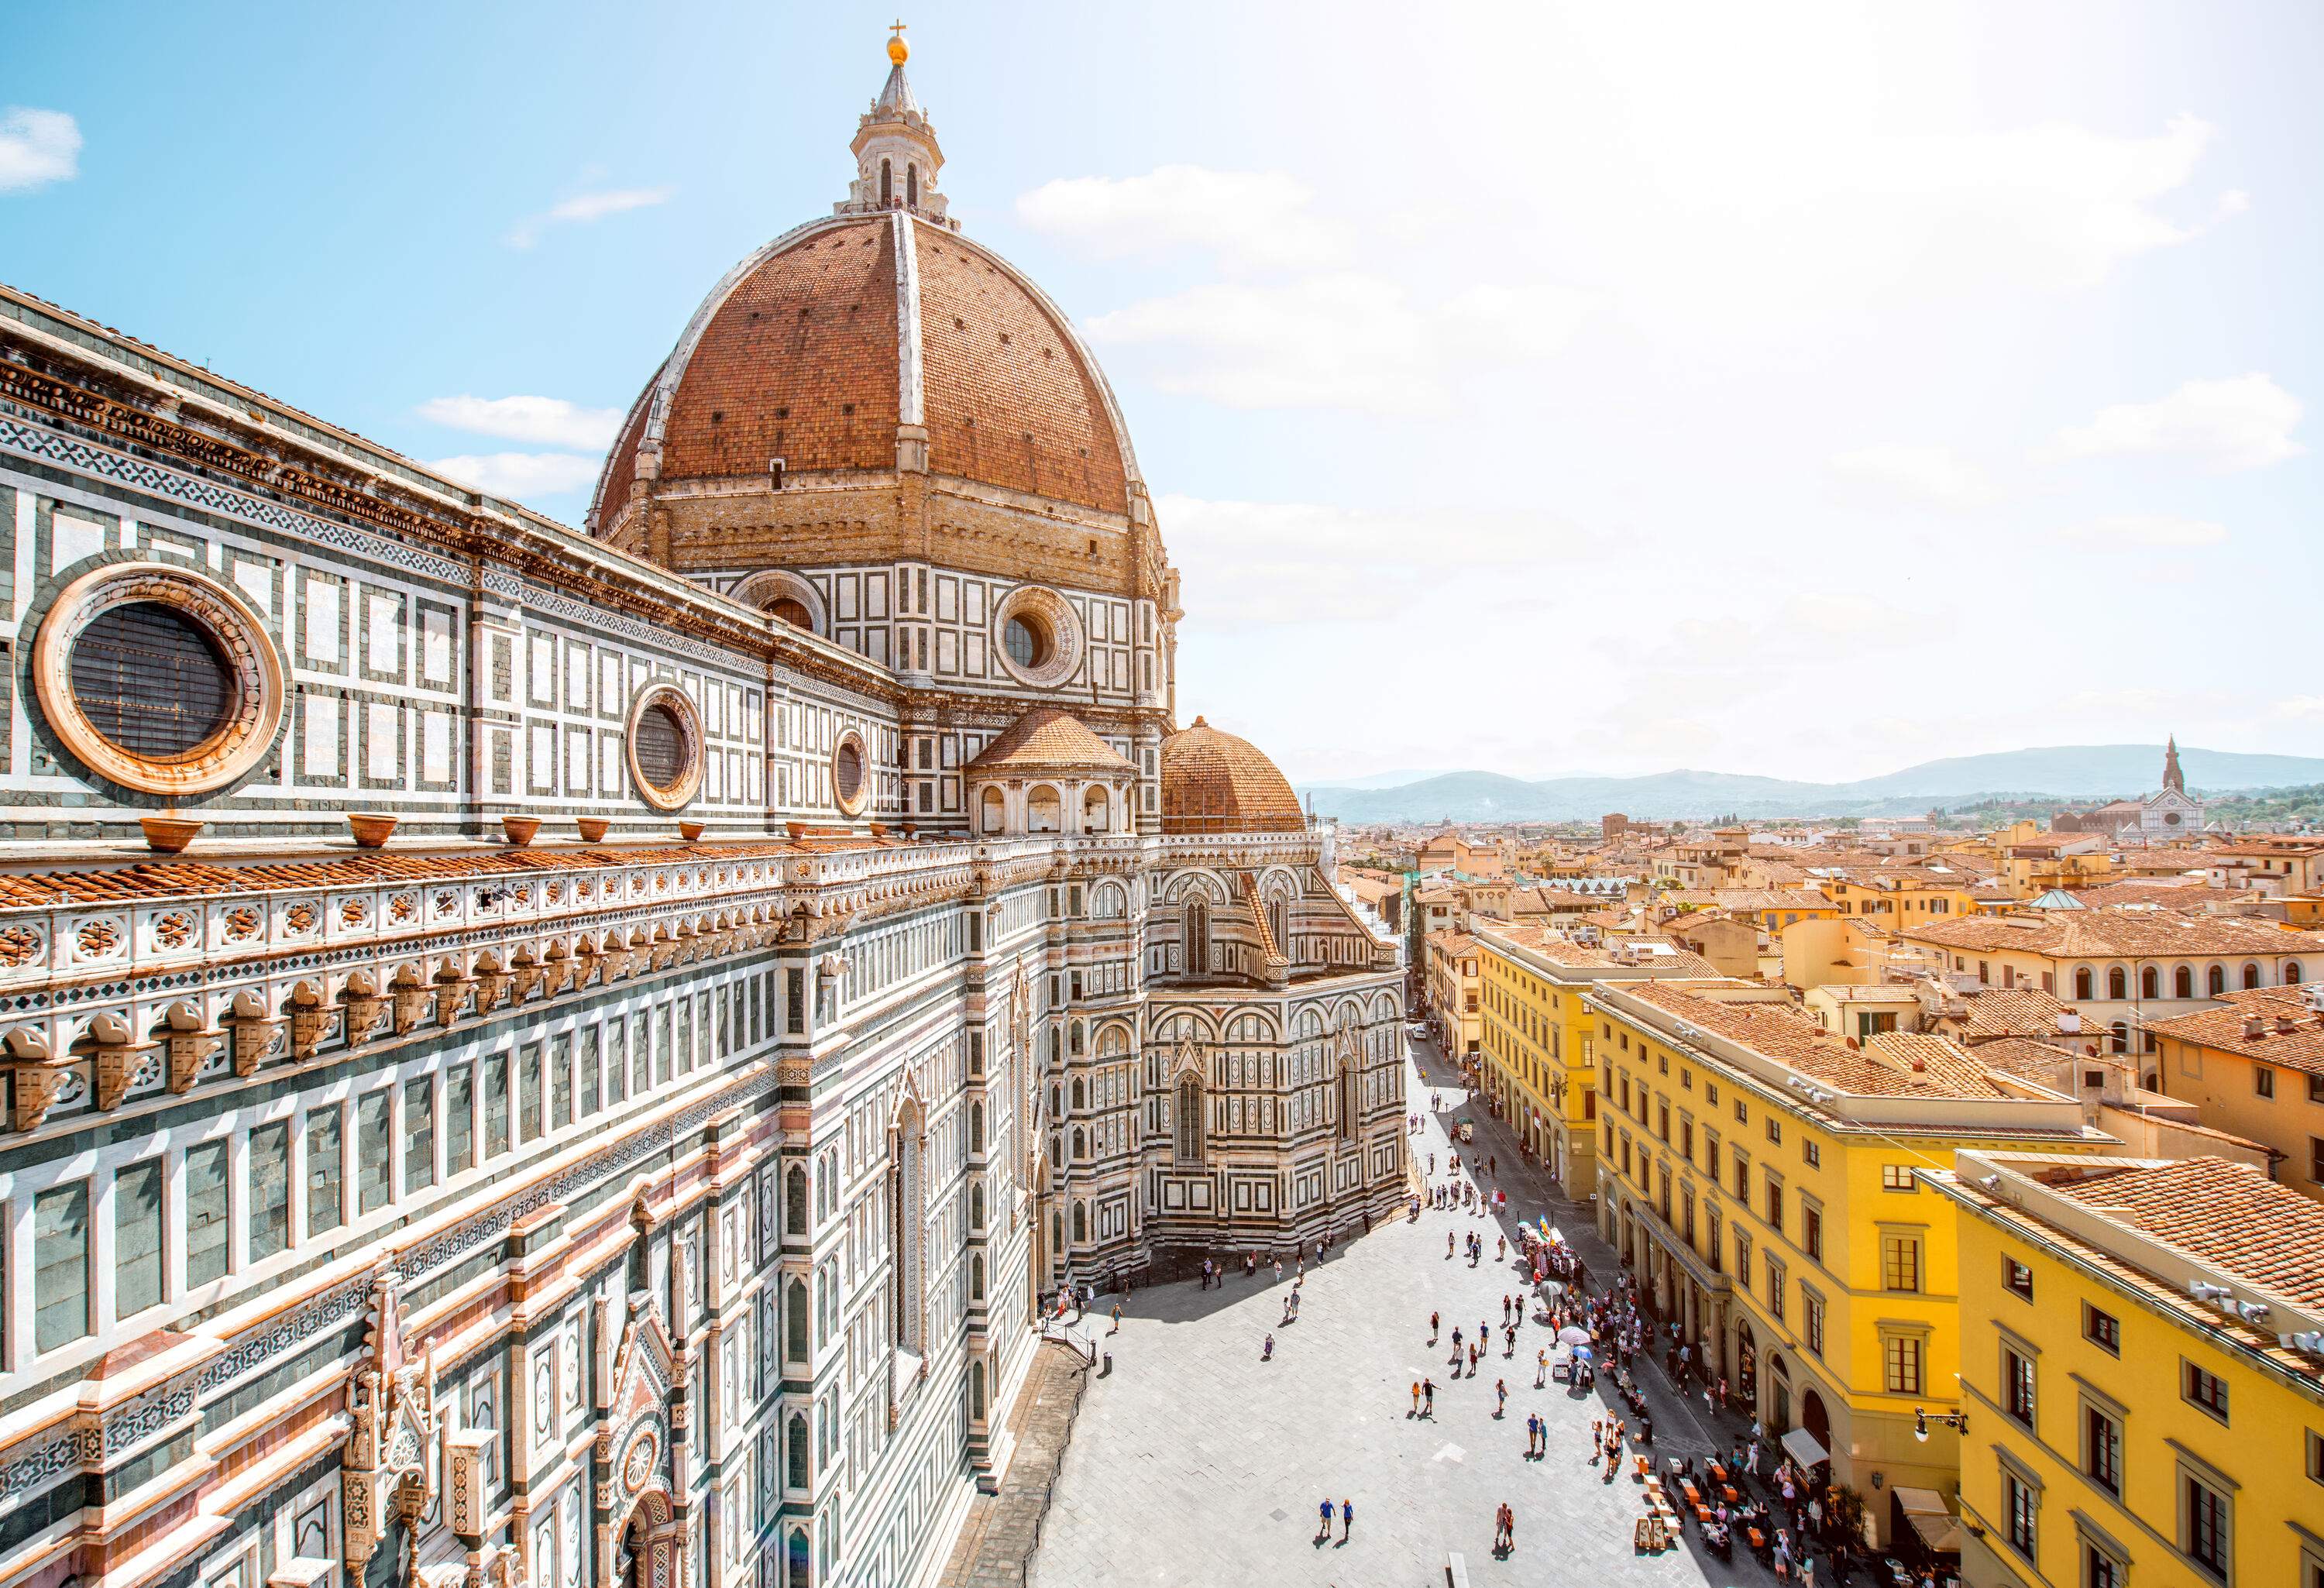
1050	740
1214	782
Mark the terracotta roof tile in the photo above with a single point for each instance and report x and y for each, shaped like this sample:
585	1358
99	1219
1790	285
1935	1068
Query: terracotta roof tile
1214	782
1049	739
2221	1026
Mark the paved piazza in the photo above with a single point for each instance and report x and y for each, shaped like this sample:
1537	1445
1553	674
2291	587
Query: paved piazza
1196	1463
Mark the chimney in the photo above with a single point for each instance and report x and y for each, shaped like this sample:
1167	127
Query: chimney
2070	1022
2252	1027
2286	1025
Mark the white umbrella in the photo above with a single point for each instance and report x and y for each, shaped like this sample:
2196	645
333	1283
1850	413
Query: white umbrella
1572	1335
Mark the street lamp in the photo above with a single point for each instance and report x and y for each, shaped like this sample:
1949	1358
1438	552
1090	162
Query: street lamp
1956	1420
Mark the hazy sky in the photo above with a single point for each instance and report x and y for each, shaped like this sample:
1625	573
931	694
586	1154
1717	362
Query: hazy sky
1591	388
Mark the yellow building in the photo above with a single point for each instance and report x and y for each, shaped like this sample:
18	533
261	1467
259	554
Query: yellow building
2142	1373
2252	1065
1539	1057
2122	968
1453	1000
1759	1174
1904	894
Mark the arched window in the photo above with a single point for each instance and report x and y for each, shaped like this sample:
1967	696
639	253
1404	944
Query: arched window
798	1473
1187	1119
2183	982
976	1205
887	182
2122	1037
1095	812
795	1200
1198	936
907	1219
2251	975
2150	982
2082	982
2292	973
1078	1094
995	812
976	1279
912	184
976	1127
1081	1222
976	1369
1044	811
1350	1100
1278	926
2216	983
1081	1144
795	1309
2118	984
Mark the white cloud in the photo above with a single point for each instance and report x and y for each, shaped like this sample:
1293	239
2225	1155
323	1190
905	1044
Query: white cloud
521	475
2146	531
549	422
583	207
1246	217
1933	474
1343	340
2244	421
37	147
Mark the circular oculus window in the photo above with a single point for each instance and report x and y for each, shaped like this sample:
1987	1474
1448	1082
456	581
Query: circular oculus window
159	678
1037	636
665	747
851	779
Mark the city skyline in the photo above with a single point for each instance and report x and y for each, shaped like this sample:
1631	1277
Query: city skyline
1931	342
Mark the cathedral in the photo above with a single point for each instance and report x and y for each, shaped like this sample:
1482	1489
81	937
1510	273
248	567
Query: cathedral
573	1059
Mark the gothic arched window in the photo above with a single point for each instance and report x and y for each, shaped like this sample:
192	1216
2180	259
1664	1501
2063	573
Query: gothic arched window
795	1305
795	1201
1081	1222
907	1217
1187	1121
797	1476
887	182
1278	926
1351	1102
1198	936
912	184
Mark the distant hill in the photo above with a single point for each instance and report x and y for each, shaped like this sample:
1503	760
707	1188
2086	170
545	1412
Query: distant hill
2074	771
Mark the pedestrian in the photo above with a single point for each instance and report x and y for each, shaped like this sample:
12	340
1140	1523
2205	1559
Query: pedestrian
1347	1518
1448	1245
1415	1398
1428	1397
1456	1340
1540	1369
1325	1530
1500	1396
1432	1328
1511	1331
1278	1270
1473	1360
1117	1319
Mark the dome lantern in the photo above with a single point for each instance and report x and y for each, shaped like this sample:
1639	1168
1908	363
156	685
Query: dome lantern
897	157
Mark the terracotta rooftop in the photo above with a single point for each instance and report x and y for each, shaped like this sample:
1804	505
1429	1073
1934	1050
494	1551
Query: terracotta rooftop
1892	1064
2221	1025
2009	1011
375	868
2112	932
1214	782
1048	739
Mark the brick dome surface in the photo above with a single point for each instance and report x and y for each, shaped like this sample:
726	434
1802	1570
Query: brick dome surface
1214	782
816	348
1048	739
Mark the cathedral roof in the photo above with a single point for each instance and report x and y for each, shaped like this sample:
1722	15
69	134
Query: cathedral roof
1048	739
843	339
1214	782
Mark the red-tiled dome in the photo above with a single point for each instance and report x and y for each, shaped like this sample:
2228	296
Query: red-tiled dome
1214	782
818	347
1048	739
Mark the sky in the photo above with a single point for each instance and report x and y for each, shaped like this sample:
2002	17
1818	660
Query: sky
1551	389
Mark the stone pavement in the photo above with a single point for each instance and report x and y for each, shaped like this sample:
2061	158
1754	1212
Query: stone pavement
1196	1463
1002	1528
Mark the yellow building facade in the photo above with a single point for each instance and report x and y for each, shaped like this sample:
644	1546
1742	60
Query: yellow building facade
1537	1044
2142	1373
1454	1001
2252	1065
1758	1175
